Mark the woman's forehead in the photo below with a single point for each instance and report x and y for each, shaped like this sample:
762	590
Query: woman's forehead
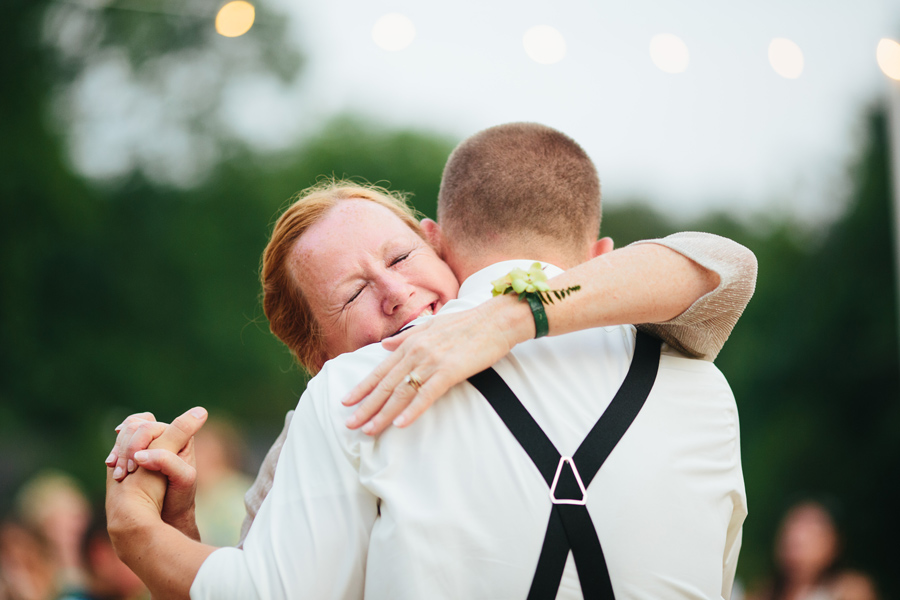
354	225
348	233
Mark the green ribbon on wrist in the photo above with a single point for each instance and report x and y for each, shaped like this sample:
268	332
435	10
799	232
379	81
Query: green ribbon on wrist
531	285
541	324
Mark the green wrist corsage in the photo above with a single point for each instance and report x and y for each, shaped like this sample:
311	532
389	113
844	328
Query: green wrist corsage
532	286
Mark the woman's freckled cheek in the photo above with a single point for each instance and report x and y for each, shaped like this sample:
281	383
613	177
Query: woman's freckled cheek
355	326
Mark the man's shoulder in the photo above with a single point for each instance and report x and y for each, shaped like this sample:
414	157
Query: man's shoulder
604	349
672	358
320	411
337	377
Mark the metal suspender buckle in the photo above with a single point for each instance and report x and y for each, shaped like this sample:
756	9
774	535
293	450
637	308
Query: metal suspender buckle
553	498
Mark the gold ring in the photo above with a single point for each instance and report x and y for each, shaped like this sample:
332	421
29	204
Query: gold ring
413	380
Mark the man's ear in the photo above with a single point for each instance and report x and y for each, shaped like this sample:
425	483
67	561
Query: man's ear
433	234
602	246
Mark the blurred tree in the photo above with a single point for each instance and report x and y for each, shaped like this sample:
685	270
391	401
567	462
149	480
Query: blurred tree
61	306
44	210
150	86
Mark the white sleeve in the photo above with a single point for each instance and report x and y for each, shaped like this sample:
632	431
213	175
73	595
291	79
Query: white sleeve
729	567
254	497
734	535
311	536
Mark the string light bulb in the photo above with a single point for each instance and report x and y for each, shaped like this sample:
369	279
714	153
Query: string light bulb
786	58
393	32
235	18
545	45
669	53
888	56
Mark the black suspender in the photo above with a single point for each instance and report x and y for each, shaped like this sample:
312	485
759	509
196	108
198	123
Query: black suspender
570	526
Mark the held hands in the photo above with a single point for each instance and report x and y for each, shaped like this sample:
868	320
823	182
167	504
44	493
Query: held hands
167	449
442	352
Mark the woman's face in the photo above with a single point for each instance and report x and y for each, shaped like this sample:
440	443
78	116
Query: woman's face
808	542
366	274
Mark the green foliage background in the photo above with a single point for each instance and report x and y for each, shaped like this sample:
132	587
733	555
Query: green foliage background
136	295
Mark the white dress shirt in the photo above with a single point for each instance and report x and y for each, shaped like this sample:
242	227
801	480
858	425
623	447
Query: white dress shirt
452	507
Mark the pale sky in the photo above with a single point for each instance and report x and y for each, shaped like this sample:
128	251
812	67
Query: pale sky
727	133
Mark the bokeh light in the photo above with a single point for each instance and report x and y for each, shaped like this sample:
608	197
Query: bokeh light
888	55
235	18
544	44
669	53
393	32
786	58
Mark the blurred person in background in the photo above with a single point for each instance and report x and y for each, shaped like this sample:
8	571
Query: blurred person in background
108	577
26	567
808	557
221	484
53	505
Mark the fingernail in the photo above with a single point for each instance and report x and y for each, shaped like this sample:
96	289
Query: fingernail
141	455
198	412
131	466
119	427
352	420
368	427
110	458
118	473
345	400
400	421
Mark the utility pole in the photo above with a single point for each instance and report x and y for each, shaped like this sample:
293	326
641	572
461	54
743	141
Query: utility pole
893	98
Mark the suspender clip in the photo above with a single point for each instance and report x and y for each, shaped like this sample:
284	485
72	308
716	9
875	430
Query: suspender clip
553	498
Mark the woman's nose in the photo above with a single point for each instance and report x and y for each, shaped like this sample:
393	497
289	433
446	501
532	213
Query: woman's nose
396	293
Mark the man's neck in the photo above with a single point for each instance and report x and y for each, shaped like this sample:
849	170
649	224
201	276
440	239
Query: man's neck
465	265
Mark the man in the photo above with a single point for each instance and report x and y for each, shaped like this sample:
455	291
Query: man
453	507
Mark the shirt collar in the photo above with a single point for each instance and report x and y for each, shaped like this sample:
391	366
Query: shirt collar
478	288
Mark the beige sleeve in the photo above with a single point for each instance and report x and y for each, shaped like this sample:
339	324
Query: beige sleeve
702	329
254	497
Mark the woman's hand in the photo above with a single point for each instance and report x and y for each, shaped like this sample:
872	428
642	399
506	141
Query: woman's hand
135	433
441	353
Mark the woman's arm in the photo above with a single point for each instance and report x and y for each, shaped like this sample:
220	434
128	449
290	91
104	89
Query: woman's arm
658	281
701	330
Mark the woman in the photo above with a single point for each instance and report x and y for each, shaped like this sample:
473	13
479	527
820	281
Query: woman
808	560
348	266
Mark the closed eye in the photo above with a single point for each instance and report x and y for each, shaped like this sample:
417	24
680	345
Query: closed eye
400	258
355	295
